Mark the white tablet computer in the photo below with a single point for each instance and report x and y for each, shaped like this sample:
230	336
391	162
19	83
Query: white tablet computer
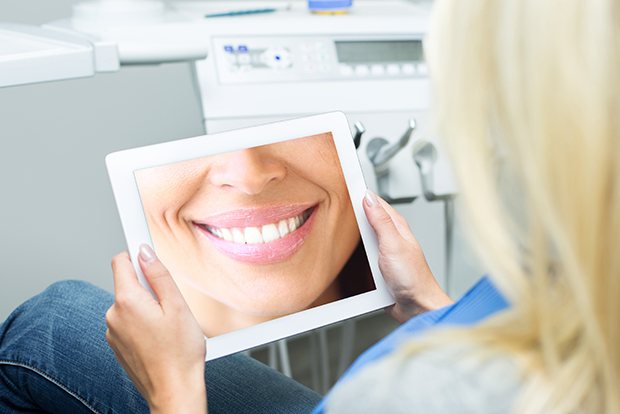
262	228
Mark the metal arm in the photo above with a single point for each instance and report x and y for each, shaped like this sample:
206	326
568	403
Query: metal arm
359	131
425	156
380	152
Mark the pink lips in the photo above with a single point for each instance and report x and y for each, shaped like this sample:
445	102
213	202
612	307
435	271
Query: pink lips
259	253
254	217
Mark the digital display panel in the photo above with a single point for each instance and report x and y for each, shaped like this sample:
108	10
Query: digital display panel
378	51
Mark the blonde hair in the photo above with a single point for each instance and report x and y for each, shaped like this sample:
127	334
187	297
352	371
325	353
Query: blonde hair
528	100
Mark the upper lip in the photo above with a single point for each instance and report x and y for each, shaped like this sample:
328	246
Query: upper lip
254	216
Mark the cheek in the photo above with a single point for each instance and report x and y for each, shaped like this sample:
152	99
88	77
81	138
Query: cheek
348	231
335	186
166	195
348	235
169	187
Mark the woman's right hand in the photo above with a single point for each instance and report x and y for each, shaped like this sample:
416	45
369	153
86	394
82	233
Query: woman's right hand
402	262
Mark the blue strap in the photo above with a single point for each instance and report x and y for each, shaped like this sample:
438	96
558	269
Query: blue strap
480	302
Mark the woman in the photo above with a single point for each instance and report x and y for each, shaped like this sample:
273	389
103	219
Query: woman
258	233
527	98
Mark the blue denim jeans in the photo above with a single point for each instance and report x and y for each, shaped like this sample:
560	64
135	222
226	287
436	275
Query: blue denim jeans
54	359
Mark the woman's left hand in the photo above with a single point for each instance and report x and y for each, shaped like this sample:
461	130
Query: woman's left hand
157	341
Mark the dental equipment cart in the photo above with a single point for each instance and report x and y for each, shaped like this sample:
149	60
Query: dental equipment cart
260	68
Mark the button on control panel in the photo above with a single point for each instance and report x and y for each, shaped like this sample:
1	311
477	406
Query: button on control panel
277	58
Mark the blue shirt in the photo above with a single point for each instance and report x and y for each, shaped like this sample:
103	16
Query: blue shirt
481	301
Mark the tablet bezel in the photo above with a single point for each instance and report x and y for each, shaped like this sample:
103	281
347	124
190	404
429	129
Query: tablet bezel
122	165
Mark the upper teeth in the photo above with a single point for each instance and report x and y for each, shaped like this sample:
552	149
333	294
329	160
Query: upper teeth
261	234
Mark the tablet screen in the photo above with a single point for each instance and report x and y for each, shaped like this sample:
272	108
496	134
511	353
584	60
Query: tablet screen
258	233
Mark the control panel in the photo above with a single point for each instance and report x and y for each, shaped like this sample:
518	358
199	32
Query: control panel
265	59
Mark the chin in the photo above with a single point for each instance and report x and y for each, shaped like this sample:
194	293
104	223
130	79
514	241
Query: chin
274	306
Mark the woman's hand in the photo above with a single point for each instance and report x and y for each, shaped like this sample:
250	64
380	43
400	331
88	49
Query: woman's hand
402	262
157	341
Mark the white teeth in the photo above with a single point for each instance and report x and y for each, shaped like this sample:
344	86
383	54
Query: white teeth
225	234
270	233
292	226
253	235
283	228
238	236
263	234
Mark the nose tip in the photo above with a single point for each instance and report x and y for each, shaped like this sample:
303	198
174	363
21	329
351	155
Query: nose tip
248	171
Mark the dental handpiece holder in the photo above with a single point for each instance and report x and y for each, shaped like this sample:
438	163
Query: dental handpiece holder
380	152
424	156
359	131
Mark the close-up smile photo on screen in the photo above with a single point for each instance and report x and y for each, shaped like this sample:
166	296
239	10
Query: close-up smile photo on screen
262	228
258	233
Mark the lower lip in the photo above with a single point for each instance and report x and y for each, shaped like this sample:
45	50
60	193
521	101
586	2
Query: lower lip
264	253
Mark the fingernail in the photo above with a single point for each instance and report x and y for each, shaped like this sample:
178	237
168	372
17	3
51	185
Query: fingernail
147	255
370	199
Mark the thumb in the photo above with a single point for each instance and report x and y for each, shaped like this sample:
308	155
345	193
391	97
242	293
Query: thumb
158	276
381	221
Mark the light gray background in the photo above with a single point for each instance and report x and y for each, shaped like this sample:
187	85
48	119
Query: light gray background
58	219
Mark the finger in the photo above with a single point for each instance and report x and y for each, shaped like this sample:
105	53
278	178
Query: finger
388	235
158	276
125	279
399	221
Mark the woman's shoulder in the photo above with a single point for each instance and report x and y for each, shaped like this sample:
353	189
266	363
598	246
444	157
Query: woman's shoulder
450	379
